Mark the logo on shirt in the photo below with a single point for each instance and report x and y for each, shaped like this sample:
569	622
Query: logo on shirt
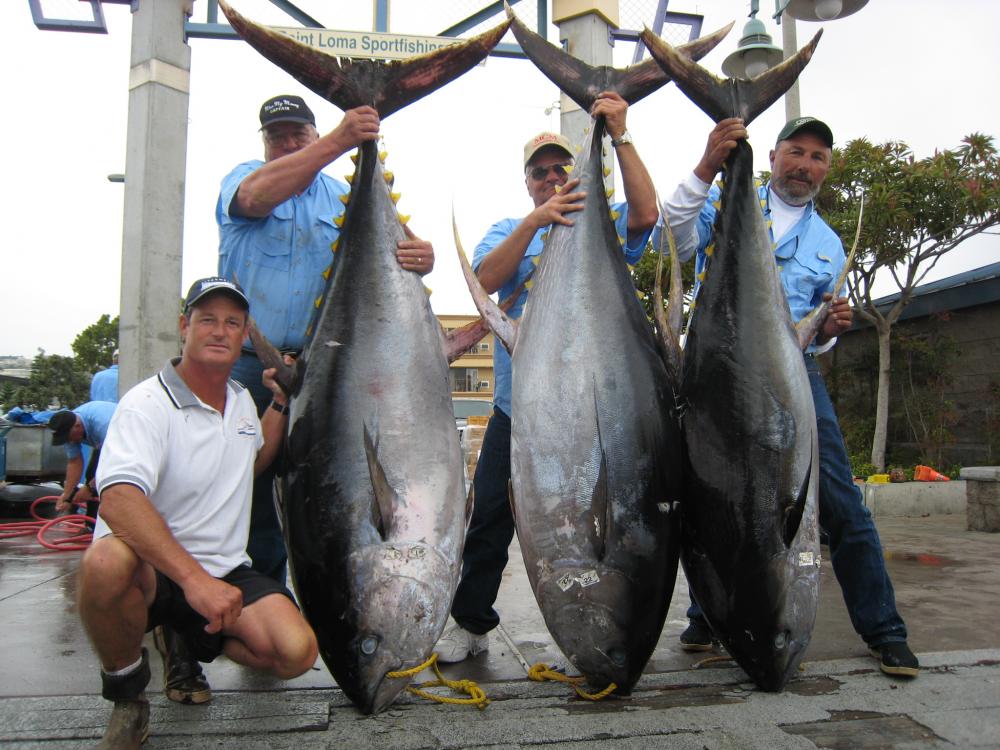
245	427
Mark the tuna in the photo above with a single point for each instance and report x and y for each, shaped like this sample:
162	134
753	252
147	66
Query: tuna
750	544
373	498
594	448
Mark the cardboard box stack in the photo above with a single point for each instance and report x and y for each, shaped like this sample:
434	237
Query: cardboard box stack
472	441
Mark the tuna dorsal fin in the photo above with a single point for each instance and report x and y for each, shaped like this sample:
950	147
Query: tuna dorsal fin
502	325
720	98
348	83
287	376
793	513
458	341
808	328
582	82
600	500
385	496
670	320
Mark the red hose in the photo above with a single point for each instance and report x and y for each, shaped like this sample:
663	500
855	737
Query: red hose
41	526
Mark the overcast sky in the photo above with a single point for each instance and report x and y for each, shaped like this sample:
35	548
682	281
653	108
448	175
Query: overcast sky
919	71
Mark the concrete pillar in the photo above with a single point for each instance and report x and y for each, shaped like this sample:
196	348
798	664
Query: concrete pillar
154	189
584	27
982	487
789	46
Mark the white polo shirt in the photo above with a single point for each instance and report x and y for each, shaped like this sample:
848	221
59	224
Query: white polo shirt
194	464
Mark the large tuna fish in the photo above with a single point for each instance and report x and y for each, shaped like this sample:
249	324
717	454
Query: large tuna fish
594	448
748	521
374	503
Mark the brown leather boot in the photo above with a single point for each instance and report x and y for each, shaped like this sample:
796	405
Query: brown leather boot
128	726
183	678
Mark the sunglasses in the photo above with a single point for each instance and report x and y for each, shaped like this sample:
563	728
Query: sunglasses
540	173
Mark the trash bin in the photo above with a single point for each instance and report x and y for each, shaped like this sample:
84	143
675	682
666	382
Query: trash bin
30	454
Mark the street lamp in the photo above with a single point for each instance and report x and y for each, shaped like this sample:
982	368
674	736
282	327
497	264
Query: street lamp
756	51
817	10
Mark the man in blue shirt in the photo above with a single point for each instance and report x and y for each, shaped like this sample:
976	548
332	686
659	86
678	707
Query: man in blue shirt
87	424
810	257
104	384
278	228
503	260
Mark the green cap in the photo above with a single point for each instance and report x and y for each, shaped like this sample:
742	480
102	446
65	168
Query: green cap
809	125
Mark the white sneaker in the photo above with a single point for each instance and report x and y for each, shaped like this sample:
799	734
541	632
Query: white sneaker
458	644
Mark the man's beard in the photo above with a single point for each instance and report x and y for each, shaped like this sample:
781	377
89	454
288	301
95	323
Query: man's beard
793	192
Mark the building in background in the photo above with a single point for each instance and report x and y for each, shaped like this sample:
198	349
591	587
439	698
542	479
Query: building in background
471	374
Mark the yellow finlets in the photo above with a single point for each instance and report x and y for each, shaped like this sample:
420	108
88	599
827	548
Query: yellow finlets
389	176
536	259
717	205
403	218
640	296
615	215
701	276
607	171
354	157
349	178
382	155
318	302
529	283
339	220
394	197
345	199
720	183
609	192
326	273
621	240
428	290
334	245
710	249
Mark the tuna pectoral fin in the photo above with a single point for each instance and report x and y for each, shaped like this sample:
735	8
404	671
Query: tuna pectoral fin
670	320
793	513
503	327
582	82
600	512
286	375
721	98
387	86
386	498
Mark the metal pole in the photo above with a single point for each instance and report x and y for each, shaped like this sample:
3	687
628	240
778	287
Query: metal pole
790	46
154	189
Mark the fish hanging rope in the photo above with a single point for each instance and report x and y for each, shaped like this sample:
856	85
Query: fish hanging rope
477	697
541	672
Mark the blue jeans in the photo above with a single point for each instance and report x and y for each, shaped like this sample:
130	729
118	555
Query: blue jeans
855	549
490	532
266	546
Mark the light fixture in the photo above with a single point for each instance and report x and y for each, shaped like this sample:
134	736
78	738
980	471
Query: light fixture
821	10
755	53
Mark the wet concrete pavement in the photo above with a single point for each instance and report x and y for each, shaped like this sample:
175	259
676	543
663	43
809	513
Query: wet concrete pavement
947	584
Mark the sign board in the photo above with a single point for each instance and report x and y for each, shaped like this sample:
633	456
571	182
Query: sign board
367	43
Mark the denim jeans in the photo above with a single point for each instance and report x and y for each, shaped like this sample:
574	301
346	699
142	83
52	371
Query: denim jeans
266	546
855	549
490	532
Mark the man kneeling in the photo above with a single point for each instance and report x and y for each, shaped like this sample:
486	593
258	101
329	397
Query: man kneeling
170	543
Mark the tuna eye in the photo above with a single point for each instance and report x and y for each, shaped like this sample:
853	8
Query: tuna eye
617	656
368	645
780	640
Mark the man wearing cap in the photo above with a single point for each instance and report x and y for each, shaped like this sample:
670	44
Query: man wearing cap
810	257
503	260
87	424
104	384
277	228
170	542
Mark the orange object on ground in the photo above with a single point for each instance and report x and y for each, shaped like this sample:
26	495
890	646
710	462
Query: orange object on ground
927	474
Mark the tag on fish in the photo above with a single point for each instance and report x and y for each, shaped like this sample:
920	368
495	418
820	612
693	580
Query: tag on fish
588	578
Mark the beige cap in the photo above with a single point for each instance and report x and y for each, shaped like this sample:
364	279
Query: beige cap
542	140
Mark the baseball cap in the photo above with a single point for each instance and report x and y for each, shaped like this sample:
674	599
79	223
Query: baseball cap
214	284
60	424
809	125
285	108
542	140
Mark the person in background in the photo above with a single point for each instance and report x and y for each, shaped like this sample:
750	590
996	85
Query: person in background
104	385
87	424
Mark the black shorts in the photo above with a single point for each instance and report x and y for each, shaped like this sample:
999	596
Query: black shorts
171	608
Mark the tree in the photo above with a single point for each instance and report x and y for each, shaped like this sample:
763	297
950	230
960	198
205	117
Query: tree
95	344
55	380
915	212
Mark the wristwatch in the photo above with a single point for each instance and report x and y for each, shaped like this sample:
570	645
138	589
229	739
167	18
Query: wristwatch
626	137
280	408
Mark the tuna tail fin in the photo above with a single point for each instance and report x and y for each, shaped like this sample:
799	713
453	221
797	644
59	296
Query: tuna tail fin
385	496
348	83
287	376
670	321
582	82
808	328
720	98
503	327
793	513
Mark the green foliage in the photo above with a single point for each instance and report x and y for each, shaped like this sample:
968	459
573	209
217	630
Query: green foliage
55	380
861	467
7	393
96	343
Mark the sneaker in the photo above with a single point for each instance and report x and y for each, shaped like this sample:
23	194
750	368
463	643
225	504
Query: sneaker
895	658
458	644
697	636
183	678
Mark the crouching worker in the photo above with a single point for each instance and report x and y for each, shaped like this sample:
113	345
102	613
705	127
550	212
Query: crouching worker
170	543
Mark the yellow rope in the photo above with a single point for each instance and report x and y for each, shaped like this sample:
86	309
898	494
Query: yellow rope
541	671
477	697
